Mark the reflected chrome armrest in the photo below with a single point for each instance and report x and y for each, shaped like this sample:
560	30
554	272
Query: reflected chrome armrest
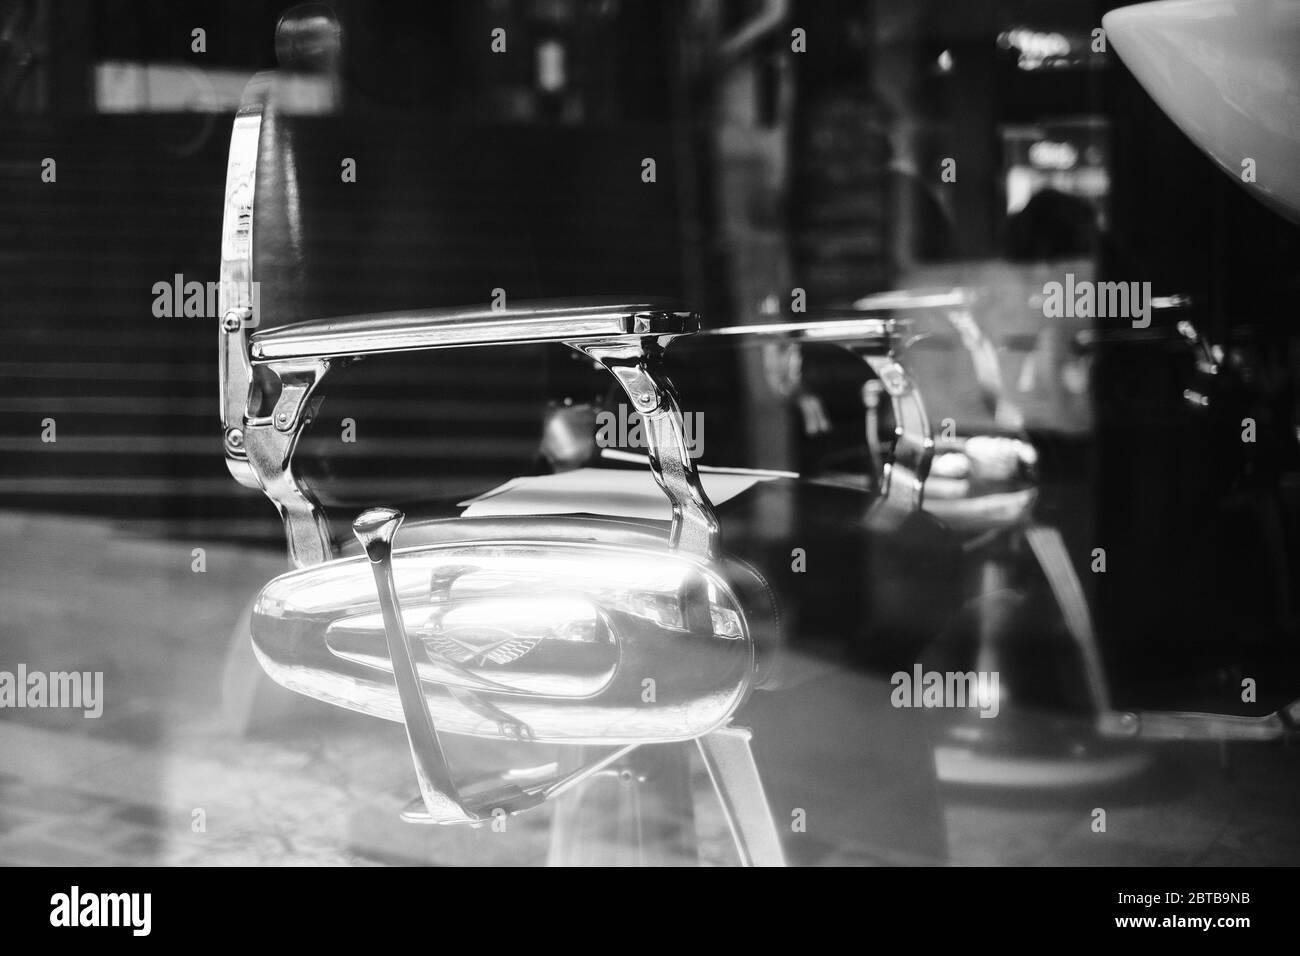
560	320
870	331
874	341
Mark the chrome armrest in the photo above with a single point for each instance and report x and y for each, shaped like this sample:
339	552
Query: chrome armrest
573	321
874	341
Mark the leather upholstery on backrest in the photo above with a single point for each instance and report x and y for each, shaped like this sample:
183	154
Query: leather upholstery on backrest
278	254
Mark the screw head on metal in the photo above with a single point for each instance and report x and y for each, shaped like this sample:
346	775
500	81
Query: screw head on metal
235	438
234	320
893	379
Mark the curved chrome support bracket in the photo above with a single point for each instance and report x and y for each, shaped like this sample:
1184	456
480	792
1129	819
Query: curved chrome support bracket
268	444
695	526
908	467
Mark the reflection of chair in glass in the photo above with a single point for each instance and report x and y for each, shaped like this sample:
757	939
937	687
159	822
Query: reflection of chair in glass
1093	754
981	486
1036	747
1026	615
1026	618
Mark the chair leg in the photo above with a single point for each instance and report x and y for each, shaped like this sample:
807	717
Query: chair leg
730	762
1049	548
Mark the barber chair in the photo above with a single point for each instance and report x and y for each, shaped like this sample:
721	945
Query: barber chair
621	638
1026	615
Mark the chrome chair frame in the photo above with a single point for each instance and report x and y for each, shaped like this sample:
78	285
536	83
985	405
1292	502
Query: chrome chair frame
290	361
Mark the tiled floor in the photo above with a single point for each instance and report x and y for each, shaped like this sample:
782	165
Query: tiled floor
178	771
